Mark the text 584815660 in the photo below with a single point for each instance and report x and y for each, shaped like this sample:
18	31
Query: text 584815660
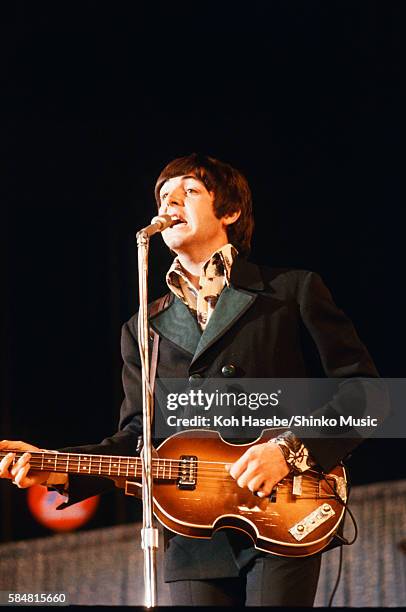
50	599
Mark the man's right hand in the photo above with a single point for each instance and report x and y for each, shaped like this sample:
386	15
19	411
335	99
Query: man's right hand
18	473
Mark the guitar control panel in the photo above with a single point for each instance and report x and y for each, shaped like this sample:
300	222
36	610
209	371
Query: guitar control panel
311	522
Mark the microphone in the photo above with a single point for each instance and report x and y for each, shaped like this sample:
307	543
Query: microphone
158	224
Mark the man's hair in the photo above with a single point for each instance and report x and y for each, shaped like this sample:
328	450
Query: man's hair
230	188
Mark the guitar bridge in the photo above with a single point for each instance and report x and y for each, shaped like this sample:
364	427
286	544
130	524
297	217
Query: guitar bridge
187	475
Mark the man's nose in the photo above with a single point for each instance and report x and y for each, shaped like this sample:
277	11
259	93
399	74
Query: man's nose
173	199
176	197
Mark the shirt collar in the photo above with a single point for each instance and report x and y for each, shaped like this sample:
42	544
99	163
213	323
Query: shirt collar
223	258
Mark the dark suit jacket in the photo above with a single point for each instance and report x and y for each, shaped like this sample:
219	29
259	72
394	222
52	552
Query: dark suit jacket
269	323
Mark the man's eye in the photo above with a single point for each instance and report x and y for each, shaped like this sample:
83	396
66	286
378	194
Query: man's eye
164	196
190	190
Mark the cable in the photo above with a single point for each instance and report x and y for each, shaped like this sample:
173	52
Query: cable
344	541
340	565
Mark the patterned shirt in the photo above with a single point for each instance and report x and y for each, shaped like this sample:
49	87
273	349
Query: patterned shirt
201	302
215	275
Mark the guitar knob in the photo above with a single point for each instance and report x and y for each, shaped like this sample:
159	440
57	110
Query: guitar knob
300	528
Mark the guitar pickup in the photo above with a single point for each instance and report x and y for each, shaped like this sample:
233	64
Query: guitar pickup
297	485
187	475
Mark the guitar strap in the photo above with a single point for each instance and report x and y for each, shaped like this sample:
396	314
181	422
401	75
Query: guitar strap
156	307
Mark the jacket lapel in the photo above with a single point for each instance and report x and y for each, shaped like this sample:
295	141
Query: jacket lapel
230	307
178	325
245	281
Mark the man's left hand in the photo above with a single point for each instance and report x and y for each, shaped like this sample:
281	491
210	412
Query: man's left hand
260	468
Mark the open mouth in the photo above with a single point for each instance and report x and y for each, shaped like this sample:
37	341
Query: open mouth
177	221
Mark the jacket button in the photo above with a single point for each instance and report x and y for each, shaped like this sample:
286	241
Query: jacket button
193	377
228	370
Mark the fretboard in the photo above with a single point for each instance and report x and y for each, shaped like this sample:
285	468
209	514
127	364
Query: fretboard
98	465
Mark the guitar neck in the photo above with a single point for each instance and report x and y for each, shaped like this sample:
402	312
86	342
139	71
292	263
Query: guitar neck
97	465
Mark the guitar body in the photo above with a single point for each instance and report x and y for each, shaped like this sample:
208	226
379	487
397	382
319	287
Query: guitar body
195	496
199	497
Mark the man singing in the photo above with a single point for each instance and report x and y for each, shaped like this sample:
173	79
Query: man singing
226	317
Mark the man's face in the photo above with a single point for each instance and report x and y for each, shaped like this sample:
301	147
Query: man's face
187	198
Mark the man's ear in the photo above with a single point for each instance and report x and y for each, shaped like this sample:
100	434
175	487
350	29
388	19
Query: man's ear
232	218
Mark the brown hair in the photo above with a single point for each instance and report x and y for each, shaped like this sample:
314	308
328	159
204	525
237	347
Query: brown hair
230	188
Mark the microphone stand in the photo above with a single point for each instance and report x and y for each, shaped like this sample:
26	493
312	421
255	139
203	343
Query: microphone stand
149	533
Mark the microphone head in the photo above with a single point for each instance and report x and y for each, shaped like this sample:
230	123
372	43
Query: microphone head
164	221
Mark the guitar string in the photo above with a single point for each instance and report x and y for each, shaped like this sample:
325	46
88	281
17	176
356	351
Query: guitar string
72	457
138	471
132	461
310	488
310	484
36	464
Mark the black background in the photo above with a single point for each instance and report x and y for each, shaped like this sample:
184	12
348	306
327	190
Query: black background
304	97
